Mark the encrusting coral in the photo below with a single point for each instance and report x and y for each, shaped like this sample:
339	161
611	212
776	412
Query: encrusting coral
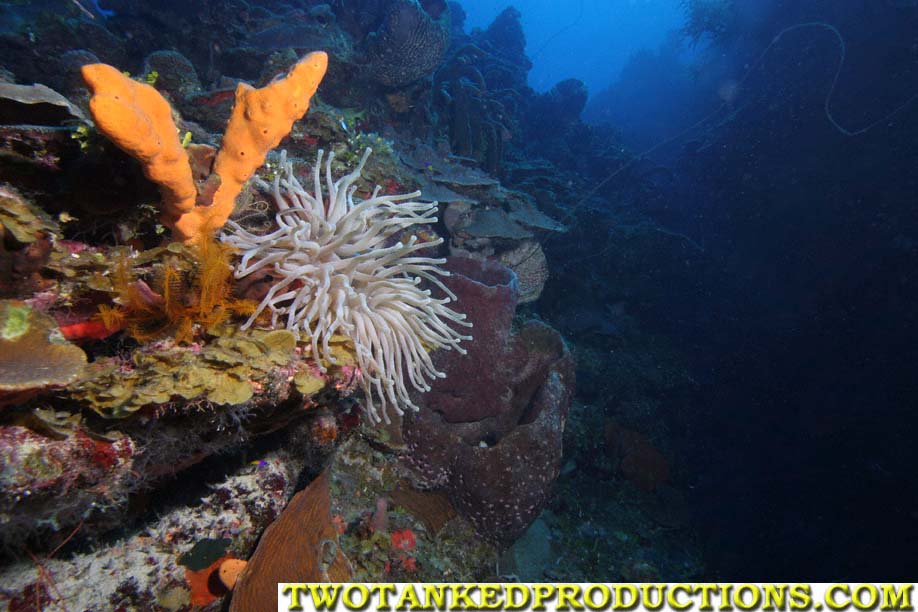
337	271
33	353
139	121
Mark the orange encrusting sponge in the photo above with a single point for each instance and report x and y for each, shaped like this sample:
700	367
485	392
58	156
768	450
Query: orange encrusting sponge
139	121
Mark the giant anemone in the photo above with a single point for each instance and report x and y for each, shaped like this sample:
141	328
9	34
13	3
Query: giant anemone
338	269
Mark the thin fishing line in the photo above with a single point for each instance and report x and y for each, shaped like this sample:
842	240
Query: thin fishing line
558	33
843	51
827	106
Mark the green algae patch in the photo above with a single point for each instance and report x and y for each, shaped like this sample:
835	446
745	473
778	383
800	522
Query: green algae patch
15	322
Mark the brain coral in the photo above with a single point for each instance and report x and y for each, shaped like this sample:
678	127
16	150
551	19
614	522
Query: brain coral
410	42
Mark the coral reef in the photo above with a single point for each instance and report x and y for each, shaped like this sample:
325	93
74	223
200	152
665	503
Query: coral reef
25	232
37	104
176	400
153	567
169	401
486	220
385	534
174	74
75	476
232	369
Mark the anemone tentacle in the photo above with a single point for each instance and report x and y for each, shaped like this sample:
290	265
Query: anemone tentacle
336	273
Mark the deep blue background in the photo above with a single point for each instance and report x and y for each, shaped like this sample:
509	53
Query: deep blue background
587	39
800	317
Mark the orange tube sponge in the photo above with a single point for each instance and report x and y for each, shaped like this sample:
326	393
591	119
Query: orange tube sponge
139	121
261	118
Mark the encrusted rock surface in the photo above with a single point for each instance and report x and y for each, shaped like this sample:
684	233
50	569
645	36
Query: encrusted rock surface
490	433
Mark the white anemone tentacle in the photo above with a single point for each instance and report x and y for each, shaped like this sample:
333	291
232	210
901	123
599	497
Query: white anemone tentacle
337	272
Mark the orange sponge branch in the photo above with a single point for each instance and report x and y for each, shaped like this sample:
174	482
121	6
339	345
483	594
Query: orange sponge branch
261	118
139	121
